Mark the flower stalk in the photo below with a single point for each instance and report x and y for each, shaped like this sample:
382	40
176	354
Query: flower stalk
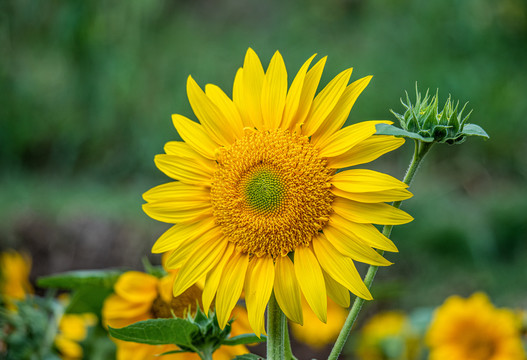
276	331
420	150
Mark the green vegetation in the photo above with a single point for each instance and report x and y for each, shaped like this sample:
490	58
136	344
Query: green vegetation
88	88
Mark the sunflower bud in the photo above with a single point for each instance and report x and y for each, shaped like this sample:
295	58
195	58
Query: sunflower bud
427	123
210	336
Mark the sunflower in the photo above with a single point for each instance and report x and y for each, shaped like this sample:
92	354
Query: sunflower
73	328
258	204
473	329
139	296
14	275
388	335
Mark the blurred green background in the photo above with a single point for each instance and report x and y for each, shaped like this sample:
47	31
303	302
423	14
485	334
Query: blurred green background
87	89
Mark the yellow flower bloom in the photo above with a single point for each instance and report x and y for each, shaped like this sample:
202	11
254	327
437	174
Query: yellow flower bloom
383	328
256	180
314	332
72	330
14	275
473	329
139	296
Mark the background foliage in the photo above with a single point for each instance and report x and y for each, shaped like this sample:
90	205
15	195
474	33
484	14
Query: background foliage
87	89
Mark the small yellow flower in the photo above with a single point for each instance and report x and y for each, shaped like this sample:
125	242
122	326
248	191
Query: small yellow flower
473	329
383	329
73	328
139	296
257	179
314	332
14	272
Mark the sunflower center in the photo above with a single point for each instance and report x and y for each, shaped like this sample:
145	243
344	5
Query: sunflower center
271	192
179	306
264	190
479	346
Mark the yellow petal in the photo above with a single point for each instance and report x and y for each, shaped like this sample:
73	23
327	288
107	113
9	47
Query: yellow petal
194	135
287	290
311	281
274	91
208	114
362	213
366	232
200	260
258	286
339	267
229	111
180	255
293	96
75	326
184	170
135	286
176	190
174	212
213	278
238	98
115	307
336	292
336	119
325	101
344	139
184	150
366	151
252	80
351	246
308	92
362	180
177	234
68	348
230	287
374	197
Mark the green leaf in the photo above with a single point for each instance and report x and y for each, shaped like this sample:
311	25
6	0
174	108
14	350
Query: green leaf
157	332
385	129
474	130
173	352
88	299
75	279
248	357
243	339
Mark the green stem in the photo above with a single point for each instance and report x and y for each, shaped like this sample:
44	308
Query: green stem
206	354
276	329
420	151
288	352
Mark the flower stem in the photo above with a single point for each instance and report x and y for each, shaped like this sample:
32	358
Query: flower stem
420	150
205	354
288	353
275	330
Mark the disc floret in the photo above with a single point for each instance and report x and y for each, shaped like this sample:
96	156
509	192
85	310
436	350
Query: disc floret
271	192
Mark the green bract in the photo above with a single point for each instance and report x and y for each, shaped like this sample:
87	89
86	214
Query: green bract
424	121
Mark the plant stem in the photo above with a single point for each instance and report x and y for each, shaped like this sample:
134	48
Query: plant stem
420	151
288	353
275	330
206	354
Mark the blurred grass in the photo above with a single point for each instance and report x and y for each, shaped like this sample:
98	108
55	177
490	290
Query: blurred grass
88	89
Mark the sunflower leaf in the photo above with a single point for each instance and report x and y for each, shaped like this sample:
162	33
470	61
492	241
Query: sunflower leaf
474	130
248	357
385	129
158	332
243	339
173	352
76	279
